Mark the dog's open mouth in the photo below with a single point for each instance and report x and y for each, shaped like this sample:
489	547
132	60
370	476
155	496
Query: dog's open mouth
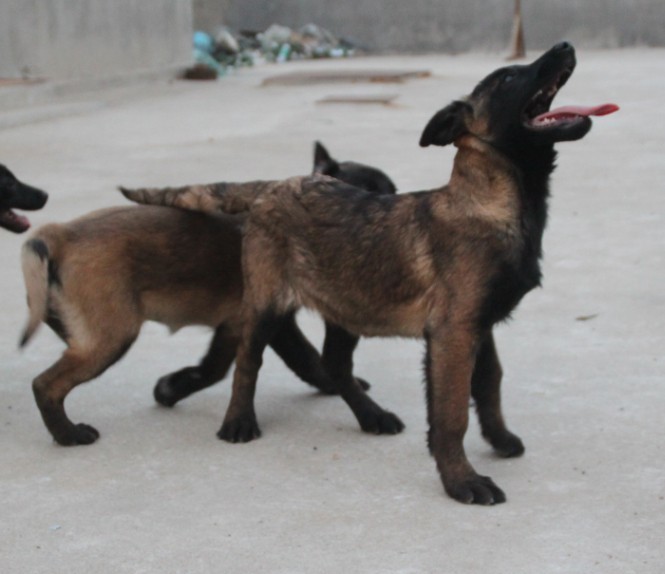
13	222
568	114
539	116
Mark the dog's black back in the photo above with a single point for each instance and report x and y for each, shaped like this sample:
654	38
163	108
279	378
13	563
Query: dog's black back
355	174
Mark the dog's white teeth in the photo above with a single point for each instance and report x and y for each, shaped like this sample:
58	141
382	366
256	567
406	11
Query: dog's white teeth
544	122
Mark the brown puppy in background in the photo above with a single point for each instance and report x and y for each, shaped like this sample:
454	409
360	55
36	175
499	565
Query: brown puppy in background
95	280
445	265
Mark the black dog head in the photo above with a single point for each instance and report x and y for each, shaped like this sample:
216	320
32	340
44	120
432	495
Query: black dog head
17	195
356	174
510	108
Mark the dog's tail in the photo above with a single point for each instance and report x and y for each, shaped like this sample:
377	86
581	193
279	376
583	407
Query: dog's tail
35	263
215	197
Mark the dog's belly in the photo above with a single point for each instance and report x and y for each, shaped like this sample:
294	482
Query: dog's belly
405	325
184	307
370	319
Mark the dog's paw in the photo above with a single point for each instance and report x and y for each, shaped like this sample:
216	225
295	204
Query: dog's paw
381	422
79	434
172	388
164	392
242	429
476	489
507	445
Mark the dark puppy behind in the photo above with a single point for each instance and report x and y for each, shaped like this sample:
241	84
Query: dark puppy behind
445	265
356	174
15	194
95	280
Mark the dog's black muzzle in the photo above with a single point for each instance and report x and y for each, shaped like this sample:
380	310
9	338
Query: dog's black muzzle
25	197
557	64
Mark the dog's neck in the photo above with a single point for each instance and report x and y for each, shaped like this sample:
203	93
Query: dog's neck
535	164
478	169
532	168
471	146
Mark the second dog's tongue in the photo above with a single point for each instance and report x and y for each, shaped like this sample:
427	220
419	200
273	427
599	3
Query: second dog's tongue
571	111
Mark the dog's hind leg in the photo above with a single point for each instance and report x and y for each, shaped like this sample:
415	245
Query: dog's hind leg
302	358
486	392
76	366
240	420
289	343
338	361
449	363
331	354
213	367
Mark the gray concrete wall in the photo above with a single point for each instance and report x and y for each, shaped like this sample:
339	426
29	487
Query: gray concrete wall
462	25
79	39
209	14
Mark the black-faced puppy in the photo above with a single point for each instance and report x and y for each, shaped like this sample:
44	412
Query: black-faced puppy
356	174
15	194
96	279
445	264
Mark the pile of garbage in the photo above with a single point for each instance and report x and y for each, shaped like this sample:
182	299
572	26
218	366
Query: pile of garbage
225	50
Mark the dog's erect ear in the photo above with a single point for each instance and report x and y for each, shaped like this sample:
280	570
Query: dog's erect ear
323	163
447	125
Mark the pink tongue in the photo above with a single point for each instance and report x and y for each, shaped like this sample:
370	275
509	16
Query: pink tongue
23	221
584	111
17	221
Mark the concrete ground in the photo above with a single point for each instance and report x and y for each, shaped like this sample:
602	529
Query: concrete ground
582	358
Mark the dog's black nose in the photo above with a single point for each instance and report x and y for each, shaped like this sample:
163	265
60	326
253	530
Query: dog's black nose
563	46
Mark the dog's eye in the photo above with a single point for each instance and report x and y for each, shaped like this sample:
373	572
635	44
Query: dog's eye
508	78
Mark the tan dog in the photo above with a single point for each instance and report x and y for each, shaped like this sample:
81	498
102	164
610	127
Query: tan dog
96	279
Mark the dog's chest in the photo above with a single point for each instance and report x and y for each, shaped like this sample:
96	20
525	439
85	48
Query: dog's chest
510	282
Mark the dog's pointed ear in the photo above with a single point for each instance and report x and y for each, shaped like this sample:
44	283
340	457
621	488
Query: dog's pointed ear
323	163
446	125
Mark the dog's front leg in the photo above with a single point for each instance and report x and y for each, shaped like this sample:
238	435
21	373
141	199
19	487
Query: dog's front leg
486	392
451	355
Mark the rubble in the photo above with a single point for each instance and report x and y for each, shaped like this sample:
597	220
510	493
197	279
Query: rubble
225	50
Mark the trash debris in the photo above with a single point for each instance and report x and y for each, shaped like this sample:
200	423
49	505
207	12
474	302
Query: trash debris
225	50
280	43
199	72
225	41
204	48
203	42
273	38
